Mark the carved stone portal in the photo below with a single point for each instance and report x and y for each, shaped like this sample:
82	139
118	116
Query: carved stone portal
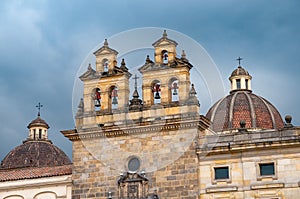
133	186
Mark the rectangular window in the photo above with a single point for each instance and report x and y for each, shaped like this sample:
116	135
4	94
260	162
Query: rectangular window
247	84
40	133
238	83
267	169
221	173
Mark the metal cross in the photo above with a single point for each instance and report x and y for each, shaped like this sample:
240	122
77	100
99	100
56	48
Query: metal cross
135	81
39	106
239	59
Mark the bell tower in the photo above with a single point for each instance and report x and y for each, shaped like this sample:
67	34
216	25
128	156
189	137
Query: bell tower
166	80
106	89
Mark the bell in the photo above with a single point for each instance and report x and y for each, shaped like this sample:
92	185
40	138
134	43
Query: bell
175	91
97	103
115	100
157	96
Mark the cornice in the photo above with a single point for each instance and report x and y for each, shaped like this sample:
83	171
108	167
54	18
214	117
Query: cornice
141	128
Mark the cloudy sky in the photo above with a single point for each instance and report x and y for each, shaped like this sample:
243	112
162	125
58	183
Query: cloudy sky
43	43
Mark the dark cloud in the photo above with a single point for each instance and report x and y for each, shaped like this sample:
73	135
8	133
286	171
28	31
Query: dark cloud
43	44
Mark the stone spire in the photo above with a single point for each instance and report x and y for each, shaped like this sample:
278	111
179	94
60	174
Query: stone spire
80	108
135	103
193	98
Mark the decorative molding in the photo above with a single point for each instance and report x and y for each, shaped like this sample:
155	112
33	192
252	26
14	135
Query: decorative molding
267	186
114	131
221	189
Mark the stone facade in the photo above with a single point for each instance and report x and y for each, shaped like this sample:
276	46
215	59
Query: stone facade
242	153
38	188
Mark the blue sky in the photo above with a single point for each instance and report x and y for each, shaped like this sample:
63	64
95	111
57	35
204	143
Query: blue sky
43	43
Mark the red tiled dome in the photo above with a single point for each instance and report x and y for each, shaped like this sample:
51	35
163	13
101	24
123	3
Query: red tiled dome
35	154
257	112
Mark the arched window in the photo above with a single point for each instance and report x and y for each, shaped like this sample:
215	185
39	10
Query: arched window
97	99
156	92
113	97
165	56
105	65
174	90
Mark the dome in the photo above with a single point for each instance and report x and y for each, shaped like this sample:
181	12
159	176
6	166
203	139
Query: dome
239	71
257	112
35	154
38	122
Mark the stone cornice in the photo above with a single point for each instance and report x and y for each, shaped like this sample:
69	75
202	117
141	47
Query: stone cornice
122	130
260	140
65	180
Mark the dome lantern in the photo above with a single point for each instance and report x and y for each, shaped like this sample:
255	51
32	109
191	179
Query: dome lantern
38	128
240	79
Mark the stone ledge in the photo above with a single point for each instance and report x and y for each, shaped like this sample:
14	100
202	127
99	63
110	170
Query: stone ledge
267	186
221	189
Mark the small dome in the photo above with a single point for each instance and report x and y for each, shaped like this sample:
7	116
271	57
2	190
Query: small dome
258	113
239	71
35	154
38	122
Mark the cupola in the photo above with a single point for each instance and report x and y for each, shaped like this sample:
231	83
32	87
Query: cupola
38	128
240	79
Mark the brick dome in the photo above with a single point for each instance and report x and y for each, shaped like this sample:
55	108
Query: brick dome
35	154
257	112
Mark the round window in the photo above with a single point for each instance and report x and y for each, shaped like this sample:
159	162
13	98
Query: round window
133	164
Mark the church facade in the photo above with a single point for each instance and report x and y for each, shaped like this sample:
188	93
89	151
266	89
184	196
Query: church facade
162	147
155	144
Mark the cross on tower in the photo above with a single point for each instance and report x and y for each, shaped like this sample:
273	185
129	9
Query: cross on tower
135	81
239	59
39	106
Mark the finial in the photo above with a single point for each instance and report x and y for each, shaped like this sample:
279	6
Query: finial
193	91
165	34
135	93
288	121
148	60
90	66
80	108
242	126
39	106
183	55
123	65
81	104
123	62
239	59
105	43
